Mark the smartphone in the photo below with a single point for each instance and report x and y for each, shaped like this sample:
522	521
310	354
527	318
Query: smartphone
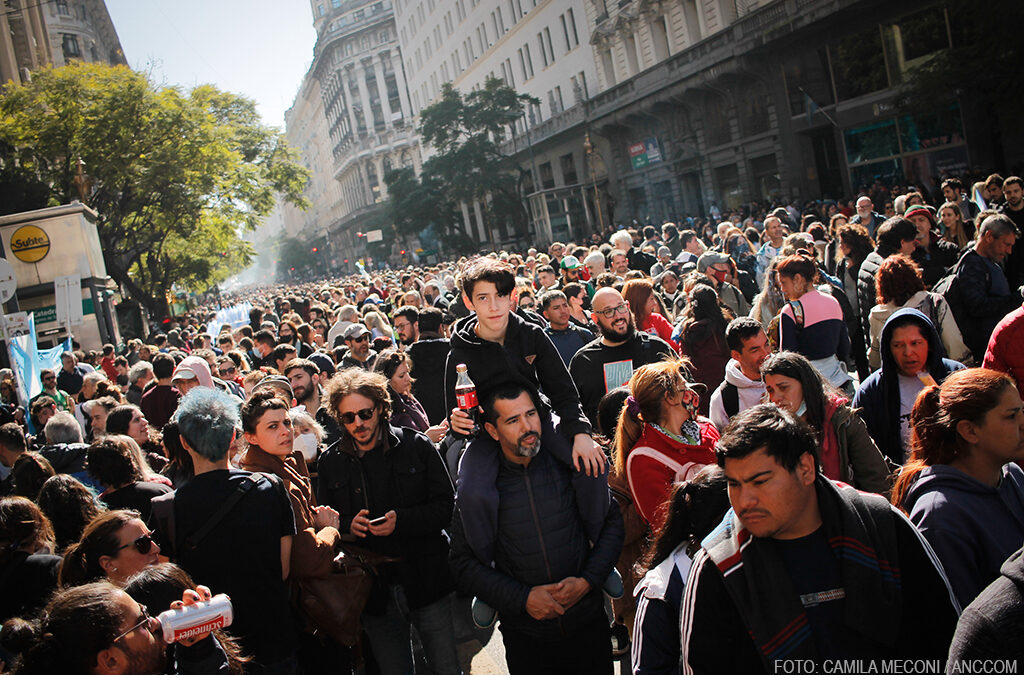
379	521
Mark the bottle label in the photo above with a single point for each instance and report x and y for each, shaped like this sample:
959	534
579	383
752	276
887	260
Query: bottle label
466	400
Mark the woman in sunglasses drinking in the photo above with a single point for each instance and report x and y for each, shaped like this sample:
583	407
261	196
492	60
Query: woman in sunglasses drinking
114	546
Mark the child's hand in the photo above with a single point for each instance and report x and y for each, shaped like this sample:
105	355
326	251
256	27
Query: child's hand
587	455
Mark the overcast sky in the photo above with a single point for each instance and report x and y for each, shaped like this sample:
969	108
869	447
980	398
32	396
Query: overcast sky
257	48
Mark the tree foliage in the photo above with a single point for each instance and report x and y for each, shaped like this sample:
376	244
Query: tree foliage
467	132
175	176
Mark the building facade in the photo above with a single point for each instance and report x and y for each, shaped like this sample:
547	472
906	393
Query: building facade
35	34
357	65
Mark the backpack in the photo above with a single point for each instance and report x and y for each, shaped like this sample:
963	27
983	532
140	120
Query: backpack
730	399
949	288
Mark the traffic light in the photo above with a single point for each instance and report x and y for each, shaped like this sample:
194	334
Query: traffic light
402	252
315	249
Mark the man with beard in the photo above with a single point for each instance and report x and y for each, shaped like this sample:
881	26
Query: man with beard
392	492
359	354
406	323
806	568
306	382
98	628
534	545
1013	190
610	360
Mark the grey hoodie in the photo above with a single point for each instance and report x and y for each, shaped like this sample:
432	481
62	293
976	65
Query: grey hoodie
750	394
972	527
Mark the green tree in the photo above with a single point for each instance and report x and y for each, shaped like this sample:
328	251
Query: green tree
467	132
176	177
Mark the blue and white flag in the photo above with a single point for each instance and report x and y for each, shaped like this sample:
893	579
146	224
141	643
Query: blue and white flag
28	362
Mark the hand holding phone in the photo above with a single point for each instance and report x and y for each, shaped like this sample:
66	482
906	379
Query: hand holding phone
379	521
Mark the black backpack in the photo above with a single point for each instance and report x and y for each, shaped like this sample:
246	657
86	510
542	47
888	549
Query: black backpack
730	399
949	288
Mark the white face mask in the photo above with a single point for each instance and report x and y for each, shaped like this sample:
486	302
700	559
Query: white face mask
307	445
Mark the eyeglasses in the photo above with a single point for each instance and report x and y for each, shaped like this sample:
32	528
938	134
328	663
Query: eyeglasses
143	544
49	378
612	311
224	372
350	417
144	621
362	338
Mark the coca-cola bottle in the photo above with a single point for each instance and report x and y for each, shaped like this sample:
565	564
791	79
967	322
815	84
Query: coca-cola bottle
465	395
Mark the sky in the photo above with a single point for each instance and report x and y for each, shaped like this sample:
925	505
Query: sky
257	48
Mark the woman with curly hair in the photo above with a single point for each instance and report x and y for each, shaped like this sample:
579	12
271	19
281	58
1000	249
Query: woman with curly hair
70	506
646	309
899	284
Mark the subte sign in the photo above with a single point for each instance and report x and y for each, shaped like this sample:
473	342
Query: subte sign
30	243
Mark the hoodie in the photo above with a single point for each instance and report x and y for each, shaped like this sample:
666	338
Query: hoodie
526	357
878	397
973	527
750	392
198	366
935	308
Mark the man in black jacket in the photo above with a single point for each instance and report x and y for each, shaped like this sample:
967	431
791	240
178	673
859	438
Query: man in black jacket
392	492
535	546
804	570
429	354
895	235
610	360
984	295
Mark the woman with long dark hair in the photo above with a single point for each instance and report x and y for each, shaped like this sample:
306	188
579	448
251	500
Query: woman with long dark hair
695	508
847	451
812	322
115	545
854	246
963	487
660	438
702	336
70	506
28	568
406	410
647	310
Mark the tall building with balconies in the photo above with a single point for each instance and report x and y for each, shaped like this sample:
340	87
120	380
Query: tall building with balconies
357	63
82	30
537	47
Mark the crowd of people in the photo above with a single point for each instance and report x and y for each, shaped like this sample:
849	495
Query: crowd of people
707	447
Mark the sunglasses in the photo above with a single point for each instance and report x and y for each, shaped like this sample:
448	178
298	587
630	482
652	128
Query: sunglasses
226	371
144	621
364	338
143	544
350	417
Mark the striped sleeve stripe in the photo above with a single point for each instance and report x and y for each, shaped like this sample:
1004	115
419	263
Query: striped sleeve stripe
686	613
638	631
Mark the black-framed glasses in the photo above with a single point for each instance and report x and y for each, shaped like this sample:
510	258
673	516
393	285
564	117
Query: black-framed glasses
608	313
144	621
143	544
350	417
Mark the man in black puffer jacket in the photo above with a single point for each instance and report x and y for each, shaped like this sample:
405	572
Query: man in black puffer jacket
533	545
896	235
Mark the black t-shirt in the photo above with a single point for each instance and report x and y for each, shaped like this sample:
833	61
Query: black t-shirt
816	577
597	369
135	496
241	556
26	582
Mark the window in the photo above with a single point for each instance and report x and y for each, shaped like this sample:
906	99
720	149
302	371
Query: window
659	38
569	169
859	64
547	55
569	30
525	64
320	10
335	4
69	44
382	37
608	66
579	87
62	7
631	54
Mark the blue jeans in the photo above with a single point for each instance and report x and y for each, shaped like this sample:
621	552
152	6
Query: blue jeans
390	635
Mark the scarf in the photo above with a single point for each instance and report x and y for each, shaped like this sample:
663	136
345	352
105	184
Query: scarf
830	464
861	529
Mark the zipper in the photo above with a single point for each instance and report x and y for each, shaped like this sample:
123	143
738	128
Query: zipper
540	536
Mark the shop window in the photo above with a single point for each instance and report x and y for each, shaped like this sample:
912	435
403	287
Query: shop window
871	142
858	63
931	130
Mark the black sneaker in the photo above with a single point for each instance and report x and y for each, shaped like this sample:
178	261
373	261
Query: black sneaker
620	639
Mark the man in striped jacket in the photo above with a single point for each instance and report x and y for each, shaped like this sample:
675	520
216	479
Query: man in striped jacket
804	569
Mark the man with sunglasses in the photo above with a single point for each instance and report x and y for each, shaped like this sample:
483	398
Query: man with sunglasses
359	355
60	397
609	361
393	494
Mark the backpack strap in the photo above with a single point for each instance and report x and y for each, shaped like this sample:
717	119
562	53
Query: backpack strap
730	399
193	541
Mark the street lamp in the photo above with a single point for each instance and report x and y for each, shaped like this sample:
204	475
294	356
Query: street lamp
588	148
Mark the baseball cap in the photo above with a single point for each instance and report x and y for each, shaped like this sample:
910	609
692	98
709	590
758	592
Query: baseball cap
355	331
571	262
710	258
278	382
183	373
